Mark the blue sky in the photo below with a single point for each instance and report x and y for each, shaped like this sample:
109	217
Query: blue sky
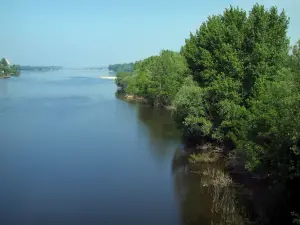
77	33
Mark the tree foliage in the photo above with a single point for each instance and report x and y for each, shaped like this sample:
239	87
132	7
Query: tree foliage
126	67
270	136
244	92
123	79
6	69
228	53
233	80
157	78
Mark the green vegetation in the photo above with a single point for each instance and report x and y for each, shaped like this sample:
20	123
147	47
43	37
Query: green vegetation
204	157
236	81
233	80
126	67
123	79
242	91
6	69
218	177
40	68
225	198
157	78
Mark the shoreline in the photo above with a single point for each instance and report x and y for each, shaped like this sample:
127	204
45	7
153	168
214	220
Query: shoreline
254	193
5	76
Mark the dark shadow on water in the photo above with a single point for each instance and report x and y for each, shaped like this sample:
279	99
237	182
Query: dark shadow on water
246	201
158	121
201	199
158	125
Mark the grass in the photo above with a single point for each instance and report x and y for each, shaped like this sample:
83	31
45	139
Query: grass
225	205
204	157
219	178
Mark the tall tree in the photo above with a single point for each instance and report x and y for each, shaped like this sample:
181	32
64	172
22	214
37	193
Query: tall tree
227	54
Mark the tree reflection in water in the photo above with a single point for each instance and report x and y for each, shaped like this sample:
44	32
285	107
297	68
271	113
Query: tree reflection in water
205	195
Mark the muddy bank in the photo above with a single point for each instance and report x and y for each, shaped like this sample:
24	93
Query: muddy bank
134	98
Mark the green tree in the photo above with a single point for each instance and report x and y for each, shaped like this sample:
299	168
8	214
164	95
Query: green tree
226	56
3	62
189	109
158	78
296	57
6	69
126	67
122	79
270	137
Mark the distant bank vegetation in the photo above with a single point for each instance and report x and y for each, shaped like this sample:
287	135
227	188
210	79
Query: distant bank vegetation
126	67
6	69
40	68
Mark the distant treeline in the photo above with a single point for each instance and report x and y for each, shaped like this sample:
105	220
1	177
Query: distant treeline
40	68
92	68
126	67
6	69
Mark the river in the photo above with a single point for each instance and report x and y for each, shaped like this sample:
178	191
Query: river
73	153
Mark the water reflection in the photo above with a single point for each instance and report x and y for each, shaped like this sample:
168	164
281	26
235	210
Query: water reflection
202	199
3	87
159	122
159	128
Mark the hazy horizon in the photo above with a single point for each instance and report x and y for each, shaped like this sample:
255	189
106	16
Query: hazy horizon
94	33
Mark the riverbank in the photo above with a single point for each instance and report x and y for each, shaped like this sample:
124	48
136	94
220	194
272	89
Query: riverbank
134	98
138	99
4	76
257	199
225	95
251	198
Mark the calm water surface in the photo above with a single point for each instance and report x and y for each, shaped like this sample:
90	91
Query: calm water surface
73	153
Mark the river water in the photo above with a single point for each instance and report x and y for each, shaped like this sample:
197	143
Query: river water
73	153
